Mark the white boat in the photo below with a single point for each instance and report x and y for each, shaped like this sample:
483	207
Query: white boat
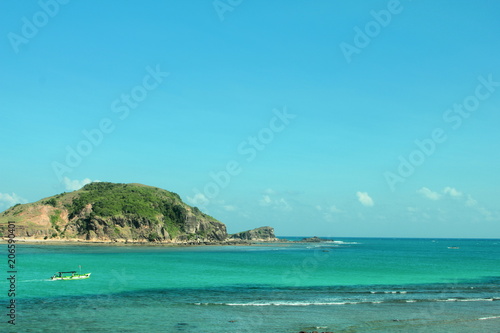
72	276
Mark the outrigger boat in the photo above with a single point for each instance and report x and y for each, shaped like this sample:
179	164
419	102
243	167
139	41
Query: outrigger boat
73	276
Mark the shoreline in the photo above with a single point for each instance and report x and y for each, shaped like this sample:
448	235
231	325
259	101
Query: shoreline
124	242
135	243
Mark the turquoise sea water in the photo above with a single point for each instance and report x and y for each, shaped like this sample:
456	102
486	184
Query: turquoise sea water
347	285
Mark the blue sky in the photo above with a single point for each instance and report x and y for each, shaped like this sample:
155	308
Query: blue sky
329	118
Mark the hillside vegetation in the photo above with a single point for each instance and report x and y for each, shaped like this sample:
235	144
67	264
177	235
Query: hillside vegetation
114	212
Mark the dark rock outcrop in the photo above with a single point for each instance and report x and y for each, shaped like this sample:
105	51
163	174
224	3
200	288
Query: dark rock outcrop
262	234
313	240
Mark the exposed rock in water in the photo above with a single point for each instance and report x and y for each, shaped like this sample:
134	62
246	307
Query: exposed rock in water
314	240
262	234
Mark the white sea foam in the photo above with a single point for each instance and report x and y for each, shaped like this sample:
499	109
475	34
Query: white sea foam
486	318
284	303
389	292
465	300
343	243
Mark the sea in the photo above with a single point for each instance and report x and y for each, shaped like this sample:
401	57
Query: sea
342	285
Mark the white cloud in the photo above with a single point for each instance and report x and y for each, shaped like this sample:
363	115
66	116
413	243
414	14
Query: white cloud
471	202
331	209
328	212
283	204
269	191
199	199
429	194
73	185
365	199
229	208
334	209
452	192
486	213
265	200
328	217
8	200
275	203
216	203
461	197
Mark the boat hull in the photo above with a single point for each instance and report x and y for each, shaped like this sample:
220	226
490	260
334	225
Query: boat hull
74	277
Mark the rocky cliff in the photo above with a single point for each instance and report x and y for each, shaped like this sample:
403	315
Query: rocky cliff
114	212
262	234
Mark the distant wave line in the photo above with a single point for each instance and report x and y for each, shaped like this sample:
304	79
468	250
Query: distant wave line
319	303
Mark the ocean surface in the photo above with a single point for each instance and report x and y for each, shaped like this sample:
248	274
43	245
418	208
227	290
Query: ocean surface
346	285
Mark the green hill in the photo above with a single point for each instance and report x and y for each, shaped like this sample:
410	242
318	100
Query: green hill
113	212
